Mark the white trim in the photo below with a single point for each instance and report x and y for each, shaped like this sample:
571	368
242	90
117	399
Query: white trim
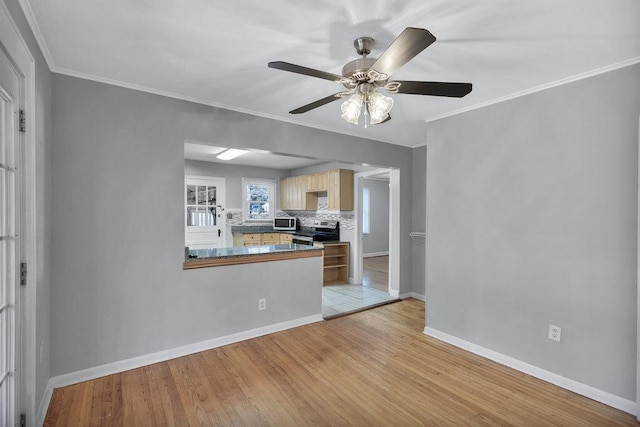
375	254
274	201
140	88
44	404
415	295
638	293
30	16
412	295
564	81
566	383
161	356
18	50
37	33
394	228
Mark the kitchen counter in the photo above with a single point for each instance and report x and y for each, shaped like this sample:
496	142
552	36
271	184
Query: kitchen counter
248	254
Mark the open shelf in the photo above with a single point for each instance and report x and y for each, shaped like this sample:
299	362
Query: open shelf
335	264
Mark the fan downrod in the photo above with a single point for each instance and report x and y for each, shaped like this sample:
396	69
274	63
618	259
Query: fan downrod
364	45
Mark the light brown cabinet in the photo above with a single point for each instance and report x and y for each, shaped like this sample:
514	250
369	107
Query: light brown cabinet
285	238
293	192
340	190
317	181
335	269
301	192
256	239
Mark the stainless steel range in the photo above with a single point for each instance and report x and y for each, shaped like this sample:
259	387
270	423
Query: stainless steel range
322	231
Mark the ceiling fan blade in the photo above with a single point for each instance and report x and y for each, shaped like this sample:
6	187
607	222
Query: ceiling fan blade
407	45
455	90
286	66
316	104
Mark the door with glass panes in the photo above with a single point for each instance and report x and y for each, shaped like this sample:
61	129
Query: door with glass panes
9	243
205	219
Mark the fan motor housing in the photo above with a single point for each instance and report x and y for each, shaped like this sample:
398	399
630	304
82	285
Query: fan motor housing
357	69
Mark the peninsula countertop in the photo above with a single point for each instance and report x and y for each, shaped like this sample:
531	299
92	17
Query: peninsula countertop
213	257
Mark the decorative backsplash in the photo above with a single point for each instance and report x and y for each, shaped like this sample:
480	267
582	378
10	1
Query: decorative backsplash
234	216
306	218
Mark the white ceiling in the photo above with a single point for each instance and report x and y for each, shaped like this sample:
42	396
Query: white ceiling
216	52
256	158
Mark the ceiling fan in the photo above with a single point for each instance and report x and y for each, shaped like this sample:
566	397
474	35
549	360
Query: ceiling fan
364	77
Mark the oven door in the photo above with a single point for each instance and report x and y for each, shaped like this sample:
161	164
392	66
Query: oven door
301	240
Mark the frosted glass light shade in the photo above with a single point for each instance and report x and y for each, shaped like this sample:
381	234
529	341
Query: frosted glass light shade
379	107
351	108
231	153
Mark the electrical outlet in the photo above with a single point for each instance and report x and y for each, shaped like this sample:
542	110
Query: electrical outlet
555	332
262	304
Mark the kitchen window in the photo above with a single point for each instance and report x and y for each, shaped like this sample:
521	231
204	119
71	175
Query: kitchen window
258	199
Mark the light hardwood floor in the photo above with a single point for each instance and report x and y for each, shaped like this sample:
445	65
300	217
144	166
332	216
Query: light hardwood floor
374	368
375	272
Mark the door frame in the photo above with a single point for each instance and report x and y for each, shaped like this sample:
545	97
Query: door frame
638	289
15	47
394	227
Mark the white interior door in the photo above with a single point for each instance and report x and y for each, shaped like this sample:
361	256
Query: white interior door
9	249
205	219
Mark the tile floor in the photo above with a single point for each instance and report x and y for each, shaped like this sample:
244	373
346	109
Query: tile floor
341	299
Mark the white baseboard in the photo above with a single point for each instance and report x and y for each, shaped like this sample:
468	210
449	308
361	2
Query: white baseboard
413	295
374	254
566	383
161	356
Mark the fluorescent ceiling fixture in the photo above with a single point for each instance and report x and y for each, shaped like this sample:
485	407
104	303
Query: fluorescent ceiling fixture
231	153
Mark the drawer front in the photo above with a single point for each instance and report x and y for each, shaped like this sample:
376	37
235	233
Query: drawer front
271	237
251	238
285	238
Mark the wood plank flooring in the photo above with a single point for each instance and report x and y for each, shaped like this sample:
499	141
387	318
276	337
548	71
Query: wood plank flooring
374	368
375	272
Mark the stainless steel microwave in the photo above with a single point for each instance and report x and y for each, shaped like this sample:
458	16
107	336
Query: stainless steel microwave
284	223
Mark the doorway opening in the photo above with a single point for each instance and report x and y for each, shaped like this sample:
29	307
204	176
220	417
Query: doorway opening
374	278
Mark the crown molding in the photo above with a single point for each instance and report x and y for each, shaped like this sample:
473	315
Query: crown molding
37	33
566	80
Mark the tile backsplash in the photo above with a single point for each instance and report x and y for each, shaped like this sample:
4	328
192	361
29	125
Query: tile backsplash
306	218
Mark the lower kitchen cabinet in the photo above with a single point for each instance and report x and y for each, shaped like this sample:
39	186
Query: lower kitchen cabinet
335	264
256	239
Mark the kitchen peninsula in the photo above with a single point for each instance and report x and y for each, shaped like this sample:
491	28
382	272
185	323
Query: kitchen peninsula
215	257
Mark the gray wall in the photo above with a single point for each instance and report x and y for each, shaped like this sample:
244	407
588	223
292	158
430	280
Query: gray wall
418	218
233	175
378	239
118	173
531	220
42	270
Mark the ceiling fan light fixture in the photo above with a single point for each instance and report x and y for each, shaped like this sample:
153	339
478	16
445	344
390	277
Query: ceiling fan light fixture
379	107
351	108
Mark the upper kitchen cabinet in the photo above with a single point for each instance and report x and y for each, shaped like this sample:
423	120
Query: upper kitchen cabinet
340	190
317	181
293	192
301	192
